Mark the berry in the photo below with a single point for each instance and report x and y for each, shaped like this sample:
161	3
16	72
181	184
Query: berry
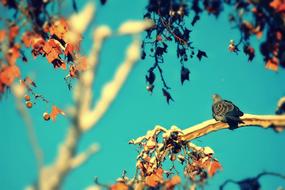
46	116
29	104
27	97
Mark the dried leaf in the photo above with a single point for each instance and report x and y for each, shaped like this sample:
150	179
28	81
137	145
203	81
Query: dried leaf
154	179
13	32
272	64
59	28
54	112
213	167
170	184
119	186
278	5
8	74
2	35
13	54
52	50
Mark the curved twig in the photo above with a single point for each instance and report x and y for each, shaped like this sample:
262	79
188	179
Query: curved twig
29	125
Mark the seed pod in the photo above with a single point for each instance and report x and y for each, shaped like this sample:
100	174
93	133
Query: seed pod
46	116
27	97
29	104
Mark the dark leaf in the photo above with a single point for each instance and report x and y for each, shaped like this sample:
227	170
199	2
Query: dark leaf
150	88
103	2
184	75
74	6
24	58
143	54
167	95
249	184
186	34
201	54
57	63
249	51
195	19
150	78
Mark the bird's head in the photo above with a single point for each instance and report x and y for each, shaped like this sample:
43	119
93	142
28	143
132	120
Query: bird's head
216	98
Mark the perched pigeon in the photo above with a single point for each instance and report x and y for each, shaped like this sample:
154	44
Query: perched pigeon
225	111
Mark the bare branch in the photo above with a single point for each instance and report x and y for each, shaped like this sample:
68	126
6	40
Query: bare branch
81	158
111	89
83	116
135	27
265	121
83	92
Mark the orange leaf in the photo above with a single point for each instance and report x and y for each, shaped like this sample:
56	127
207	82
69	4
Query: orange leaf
52	50
63	65
13	32
2	87
8	74
214	167
52	55
4	2
69	49
170	184
54	112
278	5
272	64
119	186
2	35
37	43
154	179
13	54
59	28
27	38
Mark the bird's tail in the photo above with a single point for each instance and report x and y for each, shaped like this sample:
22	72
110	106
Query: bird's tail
233	122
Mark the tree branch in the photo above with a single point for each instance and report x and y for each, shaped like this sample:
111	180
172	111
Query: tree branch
83	115
111	89
81	158
264	121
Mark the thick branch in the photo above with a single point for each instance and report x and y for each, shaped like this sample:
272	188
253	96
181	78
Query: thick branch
265	121
111	89
84	156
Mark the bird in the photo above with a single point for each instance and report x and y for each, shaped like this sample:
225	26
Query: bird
225	111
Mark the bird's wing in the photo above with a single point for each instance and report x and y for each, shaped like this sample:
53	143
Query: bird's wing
221	108
235	111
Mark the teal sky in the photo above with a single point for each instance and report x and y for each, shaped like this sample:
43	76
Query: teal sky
243	153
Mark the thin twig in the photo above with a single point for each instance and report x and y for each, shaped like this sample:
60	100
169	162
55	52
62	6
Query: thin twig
30	129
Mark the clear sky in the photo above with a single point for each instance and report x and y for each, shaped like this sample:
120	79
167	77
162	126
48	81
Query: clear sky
243	153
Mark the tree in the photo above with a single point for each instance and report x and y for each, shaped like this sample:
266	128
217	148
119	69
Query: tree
57	39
